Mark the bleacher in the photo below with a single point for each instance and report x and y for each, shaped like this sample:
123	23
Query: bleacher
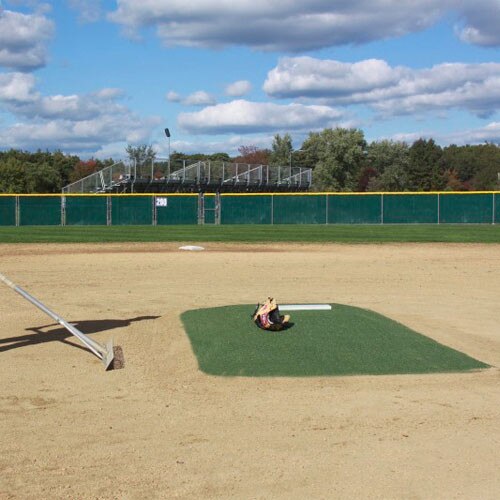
160	176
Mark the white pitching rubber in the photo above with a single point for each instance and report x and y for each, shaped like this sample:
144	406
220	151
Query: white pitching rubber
305	307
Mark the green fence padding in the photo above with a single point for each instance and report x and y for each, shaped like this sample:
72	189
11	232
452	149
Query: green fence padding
39	210
410	208
466	208
170	209
246	209
7	210
178	210
354	209
299	209
86	210
131	210
209	209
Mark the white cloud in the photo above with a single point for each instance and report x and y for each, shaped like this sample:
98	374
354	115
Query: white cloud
294	26
286	25
229	145
115	150
481	22
19	96
488	133
239	88
310	77
389	90
89	10
84	135
23	38
173	96
16	88
84	122
199	98
242	116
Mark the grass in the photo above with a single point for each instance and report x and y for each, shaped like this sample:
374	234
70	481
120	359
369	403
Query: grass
344	341
254	234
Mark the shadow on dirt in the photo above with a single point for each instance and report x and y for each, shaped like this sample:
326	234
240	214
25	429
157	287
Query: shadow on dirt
55	332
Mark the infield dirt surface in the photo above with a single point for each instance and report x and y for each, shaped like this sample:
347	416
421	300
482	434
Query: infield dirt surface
160	428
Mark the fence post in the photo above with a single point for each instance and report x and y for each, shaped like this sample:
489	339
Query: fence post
201	208
109	220
63	210
326	210
272	209
218	209
439	208
493	211
16	211
382	208
154	209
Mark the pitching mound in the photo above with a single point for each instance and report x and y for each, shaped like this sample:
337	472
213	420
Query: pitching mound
344	341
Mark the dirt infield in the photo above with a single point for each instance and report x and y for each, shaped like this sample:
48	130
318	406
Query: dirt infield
162	429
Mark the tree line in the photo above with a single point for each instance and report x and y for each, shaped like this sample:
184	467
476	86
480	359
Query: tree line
342	160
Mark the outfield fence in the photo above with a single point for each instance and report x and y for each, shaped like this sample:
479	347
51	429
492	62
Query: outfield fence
233	208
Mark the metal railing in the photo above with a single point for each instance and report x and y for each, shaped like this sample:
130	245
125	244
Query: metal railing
227	173
122	176
104	181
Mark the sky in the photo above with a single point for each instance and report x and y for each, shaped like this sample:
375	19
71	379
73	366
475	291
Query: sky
88	77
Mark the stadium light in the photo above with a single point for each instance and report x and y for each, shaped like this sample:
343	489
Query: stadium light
167	133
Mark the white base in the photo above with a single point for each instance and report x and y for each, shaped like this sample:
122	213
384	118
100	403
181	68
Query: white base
191	247
305	307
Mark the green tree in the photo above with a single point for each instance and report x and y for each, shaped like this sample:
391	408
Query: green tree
142	155
84	168
281	151
461	160
63	165
43	178
12	175
488	171
425	166
390	161
339	155
252	155
219	157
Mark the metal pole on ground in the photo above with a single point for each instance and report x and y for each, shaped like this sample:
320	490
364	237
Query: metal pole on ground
104	353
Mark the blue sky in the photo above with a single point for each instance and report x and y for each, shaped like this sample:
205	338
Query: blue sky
90	77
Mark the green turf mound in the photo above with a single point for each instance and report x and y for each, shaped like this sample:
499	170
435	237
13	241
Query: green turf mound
344	341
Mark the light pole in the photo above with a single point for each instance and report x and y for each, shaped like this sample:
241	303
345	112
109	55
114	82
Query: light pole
167	133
